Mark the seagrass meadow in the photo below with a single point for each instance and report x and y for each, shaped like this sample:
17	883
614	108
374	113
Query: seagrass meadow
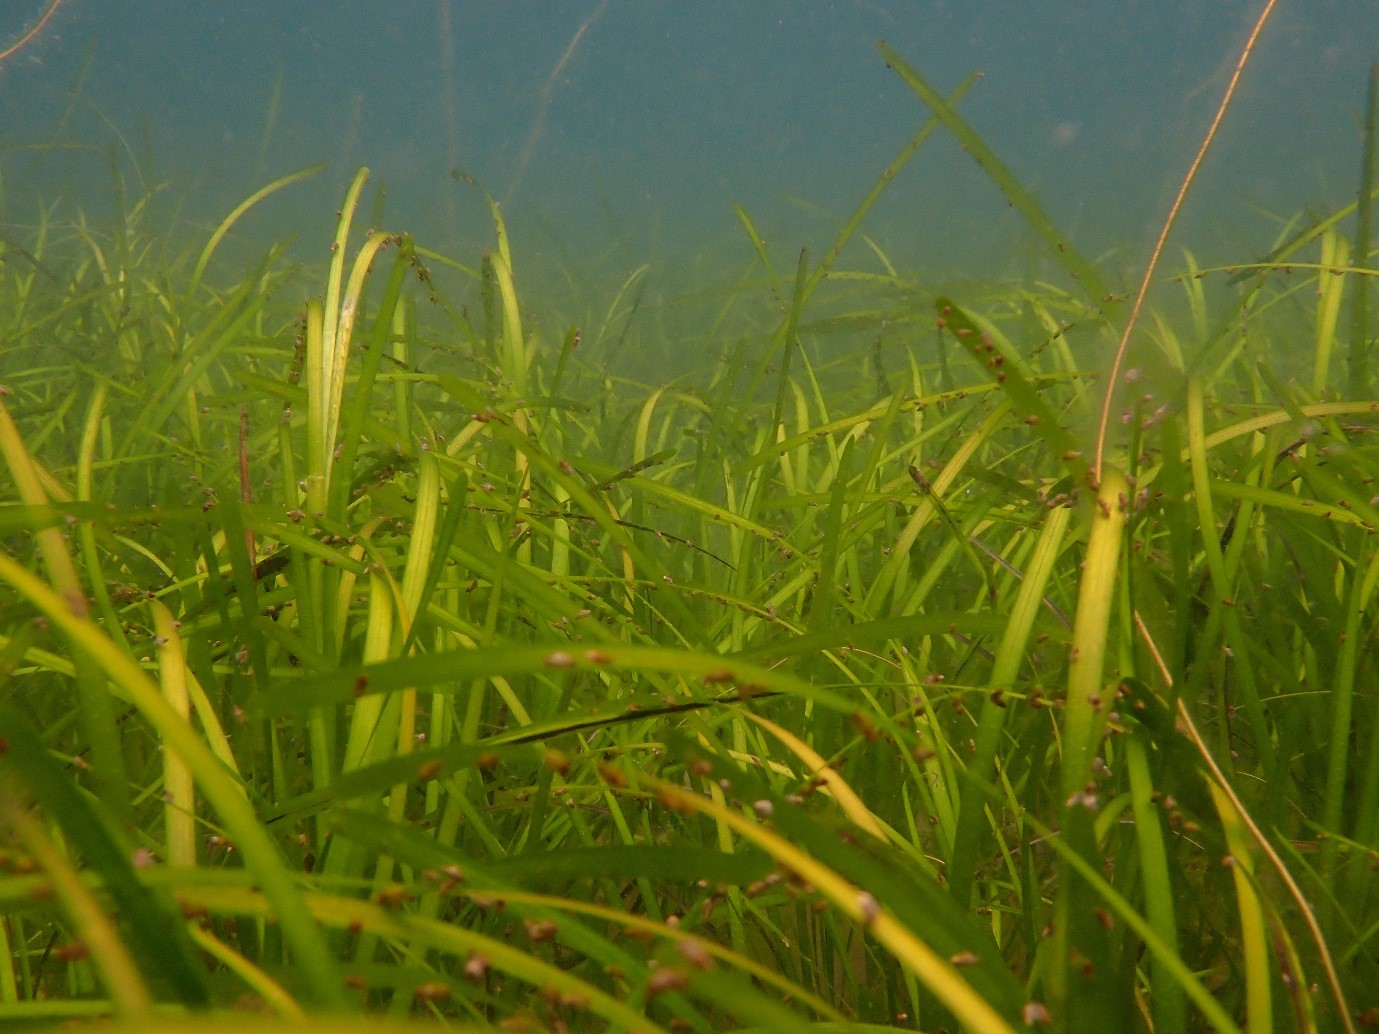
397	659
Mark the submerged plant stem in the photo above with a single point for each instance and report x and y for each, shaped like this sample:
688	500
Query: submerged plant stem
1109	398
29	36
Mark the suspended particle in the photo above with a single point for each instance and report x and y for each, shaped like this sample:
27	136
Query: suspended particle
868	906
475	966
391	897
432	991
1035	1013
539	930
612	776
429	771
664	980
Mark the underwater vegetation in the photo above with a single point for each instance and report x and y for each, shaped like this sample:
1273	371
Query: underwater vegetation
919	662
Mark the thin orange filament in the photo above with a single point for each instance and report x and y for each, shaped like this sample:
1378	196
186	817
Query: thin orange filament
1109	398
28	37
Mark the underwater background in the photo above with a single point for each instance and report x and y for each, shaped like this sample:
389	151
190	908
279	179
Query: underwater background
622	132
897	541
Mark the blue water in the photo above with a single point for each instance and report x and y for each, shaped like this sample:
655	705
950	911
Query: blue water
623	131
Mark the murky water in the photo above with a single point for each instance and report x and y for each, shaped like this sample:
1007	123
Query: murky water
623	131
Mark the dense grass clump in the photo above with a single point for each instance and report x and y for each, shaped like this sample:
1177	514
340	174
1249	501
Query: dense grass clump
386	655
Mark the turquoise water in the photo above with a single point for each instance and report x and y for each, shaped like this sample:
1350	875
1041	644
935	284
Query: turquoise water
623	131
